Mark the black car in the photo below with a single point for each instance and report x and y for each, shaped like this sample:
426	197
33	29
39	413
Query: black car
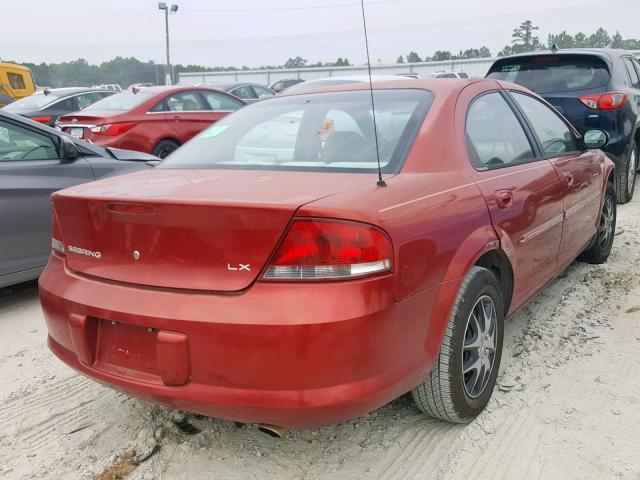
35	161
594	89
249	92
47	105
281	85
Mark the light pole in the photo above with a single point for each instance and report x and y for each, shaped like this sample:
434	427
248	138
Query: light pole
173	9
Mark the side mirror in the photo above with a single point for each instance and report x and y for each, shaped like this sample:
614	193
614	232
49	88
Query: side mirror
68	149
595	139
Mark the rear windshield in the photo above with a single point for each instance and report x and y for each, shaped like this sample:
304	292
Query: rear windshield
315	132
550	74
122	102
36	101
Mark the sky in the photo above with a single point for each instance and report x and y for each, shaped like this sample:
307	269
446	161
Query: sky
254	32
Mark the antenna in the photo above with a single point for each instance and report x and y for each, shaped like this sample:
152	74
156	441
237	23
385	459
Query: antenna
381	182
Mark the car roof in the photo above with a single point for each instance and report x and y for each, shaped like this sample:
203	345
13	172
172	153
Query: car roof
66	91
230	85
432	84
607	54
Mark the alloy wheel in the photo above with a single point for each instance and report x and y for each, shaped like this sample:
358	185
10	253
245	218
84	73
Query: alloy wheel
479	349
633	166
605	230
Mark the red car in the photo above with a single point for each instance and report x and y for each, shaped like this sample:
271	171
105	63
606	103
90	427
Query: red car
154	120
262	273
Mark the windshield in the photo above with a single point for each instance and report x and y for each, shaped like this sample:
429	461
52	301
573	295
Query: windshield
36	101
318	132
122	102
550	74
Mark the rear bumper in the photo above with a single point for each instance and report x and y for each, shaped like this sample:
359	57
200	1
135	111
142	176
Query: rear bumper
292	355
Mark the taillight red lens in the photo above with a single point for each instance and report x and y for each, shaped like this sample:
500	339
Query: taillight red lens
56	235
605	101
41	119
324	249
113	129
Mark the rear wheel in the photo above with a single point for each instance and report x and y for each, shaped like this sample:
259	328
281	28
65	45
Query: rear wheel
626	181
600	247
164	148
462	380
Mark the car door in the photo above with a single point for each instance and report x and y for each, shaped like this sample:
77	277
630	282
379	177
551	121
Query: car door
579	171
187	114
30	171
220	104
522	190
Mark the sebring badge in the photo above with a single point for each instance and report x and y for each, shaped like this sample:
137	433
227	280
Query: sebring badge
136	255
84	251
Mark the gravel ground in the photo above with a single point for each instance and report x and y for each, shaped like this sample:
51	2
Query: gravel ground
567	407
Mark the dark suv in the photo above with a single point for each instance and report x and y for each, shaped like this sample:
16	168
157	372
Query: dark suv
594	89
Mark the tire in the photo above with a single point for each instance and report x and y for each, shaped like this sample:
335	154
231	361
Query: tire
164	148
626	181
448	394
600	247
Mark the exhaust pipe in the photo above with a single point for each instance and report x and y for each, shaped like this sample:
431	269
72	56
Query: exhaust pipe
275	431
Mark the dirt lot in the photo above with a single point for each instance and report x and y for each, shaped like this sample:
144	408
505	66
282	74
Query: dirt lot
568	405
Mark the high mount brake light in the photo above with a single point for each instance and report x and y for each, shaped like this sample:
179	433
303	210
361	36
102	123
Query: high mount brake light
605	101
324	249
113	129
41	119
56	234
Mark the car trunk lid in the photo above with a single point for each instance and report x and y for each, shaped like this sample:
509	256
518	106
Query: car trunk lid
208	230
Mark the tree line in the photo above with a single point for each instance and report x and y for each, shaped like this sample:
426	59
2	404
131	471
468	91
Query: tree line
126	71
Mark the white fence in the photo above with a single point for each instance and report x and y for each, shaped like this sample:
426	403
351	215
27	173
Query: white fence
476	67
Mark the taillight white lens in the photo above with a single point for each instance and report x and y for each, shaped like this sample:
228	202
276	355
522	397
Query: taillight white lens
57	245
323	249
56	234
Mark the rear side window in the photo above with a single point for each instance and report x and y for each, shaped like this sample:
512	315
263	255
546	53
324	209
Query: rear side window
244	92
262	92
633	75
16	81
221	102
554	135
313	132
495	137
547	73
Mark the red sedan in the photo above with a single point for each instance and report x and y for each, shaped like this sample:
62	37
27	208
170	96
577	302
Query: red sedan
262	273
154	120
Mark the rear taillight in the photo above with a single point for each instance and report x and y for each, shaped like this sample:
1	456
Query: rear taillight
56	235
41	119
604	101
325	249
113	128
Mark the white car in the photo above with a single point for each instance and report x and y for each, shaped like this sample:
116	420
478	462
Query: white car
448	74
